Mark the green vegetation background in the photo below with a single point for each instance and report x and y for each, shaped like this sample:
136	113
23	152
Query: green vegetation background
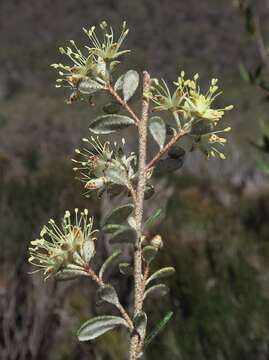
216	230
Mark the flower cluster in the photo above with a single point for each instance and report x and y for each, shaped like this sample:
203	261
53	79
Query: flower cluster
68	247
103	166
193	111
94	65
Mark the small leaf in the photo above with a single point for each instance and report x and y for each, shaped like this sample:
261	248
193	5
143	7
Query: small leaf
119	83
131	221
153	218
158	328
108	293
164	272
117	175
158	290
110	123
126	269
115	189
176	152
118	215
108	261
99	325
157	129
167	165
148	253
69	274
130	84
149	191
111	108
112	228
201	128
88	86
140	324
88	250
126	236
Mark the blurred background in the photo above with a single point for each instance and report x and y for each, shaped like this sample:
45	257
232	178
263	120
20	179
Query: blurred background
216	227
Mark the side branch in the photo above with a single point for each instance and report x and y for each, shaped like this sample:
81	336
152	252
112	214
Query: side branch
121	309
123	103
165	149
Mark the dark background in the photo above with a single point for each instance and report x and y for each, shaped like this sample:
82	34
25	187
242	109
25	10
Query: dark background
216	226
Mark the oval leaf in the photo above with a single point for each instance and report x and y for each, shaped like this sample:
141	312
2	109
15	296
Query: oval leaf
149	191
107	262
201	128
167	165
158	328
116	175
140	324
148	253
108	293
88	250
153	218
88	86
164	272
99	325
111	108
112	228
176	152
125	236
130	84
69	274
118	215
110	123
157	129
119	83
158	290
126	269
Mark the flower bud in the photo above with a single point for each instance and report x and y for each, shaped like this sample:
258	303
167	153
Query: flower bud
157	242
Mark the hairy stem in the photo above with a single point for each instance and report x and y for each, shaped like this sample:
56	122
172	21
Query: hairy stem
165	149
123	103
139	205
121	309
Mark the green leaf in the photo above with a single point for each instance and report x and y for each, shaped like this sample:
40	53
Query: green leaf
111	108
164	272
99	325
126	236
105	265
159	290
88	250
126	269
149	252
110	123
157	129
108	293
117	175
69	274
167	165
119	83
118	215
176	152
88	86
112	228
130	84
201	128
149	191
244	72
140	324
115	189
153	218
263	166
158	328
